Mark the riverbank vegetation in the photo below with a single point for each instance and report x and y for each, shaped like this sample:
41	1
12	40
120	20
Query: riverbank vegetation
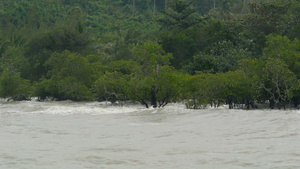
203	52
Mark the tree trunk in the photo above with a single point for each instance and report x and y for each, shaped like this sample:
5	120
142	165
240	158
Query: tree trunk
214	4
247	103
272	104
154	98
154	91
230	101
295	101
166	4
144	103
154	6
133	7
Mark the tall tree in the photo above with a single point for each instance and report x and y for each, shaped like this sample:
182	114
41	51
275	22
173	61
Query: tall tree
179	16
166	6
268	17
154	7
133	7
145	84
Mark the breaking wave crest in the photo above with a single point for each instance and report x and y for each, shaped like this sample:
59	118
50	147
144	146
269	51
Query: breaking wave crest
70	107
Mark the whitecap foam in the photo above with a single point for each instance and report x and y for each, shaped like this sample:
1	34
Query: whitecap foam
65	107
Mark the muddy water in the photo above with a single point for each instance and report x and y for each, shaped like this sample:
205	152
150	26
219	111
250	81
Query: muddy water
68	135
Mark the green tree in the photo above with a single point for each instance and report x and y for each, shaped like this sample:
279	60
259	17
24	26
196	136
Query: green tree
43	45
252	69
13	86
70	77
169	86
144	85
272	80
268	17
279	82
180	15
111	87
281	47
197	91
234	88
181	45
226	9
15	61
292	30
222	57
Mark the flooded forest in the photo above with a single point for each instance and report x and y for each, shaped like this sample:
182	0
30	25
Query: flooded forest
202	52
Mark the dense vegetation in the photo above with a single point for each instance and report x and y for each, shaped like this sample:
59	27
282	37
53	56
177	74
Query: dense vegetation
238	52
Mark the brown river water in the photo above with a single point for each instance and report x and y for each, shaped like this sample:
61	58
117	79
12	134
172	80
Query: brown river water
92	135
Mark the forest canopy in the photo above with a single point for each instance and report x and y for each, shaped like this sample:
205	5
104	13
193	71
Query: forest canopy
203	52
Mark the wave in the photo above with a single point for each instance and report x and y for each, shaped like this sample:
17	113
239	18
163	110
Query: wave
69	107
99	108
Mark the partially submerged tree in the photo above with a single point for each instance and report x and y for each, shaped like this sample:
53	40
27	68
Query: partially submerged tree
279	82
13	86
111	87
70	77
148	84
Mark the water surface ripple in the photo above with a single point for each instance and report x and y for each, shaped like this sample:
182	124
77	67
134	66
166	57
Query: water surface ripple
71	135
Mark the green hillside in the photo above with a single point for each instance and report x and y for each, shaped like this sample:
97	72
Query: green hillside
238	52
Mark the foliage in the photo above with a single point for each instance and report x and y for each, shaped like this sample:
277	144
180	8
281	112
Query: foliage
222	57
69	76
180	15
205	52
281	47
14	60
13	86
268	17
148	82
226	9
215	89
43	45
111	87
280	81
181	45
